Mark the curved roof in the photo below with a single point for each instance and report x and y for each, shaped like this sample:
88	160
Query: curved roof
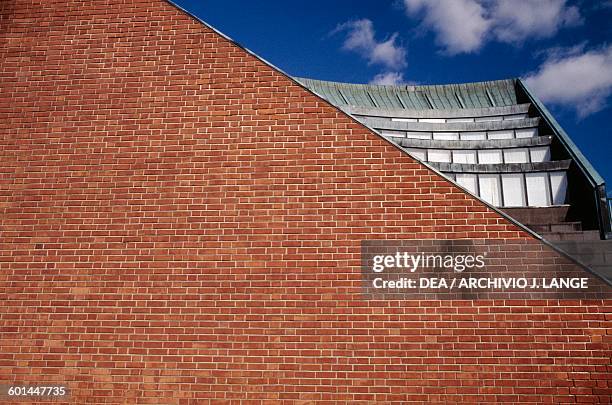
496	127
451	100
498	93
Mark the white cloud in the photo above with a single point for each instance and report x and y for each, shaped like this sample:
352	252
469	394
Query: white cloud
460	25
560	52
515	21
464	26
388	78
360	38
581	81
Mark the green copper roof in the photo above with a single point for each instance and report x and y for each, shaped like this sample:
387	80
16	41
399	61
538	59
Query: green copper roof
498	93
448	96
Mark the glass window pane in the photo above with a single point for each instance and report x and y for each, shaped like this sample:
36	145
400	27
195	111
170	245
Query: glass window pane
418	135
537	189
404	119
464	156
420	154
516	155
501	135
558	182
439	155
490	189
467	181
433	120
473	136
540	154
526	132
446	136
514	190
489	156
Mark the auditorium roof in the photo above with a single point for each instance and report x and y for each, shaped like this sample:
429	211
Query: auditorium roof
495	139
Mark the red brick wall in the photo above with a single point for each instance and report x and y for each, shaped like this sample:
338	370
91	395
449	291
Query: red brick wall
179	220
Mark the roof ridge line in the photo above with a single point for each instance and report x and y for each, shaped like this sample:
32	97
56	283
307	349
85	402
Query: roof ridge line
409	87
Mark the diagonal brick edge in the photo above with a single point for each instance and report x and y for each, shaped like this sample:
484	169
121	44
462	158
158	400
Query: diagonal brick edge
430	167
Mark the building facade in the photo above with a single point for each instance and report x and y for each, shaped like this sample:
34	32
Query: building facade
181	222
497	141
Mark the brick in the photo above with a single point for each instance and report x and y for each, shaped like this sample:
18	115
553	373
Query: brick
180	220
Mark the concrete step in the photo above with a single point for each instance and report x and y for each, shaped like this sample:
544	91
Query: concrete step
556	227
571	235
596	254
579	246
539	215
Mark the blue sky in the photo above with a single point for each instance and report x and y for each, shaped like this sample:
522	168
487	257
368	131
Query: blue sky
562	48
